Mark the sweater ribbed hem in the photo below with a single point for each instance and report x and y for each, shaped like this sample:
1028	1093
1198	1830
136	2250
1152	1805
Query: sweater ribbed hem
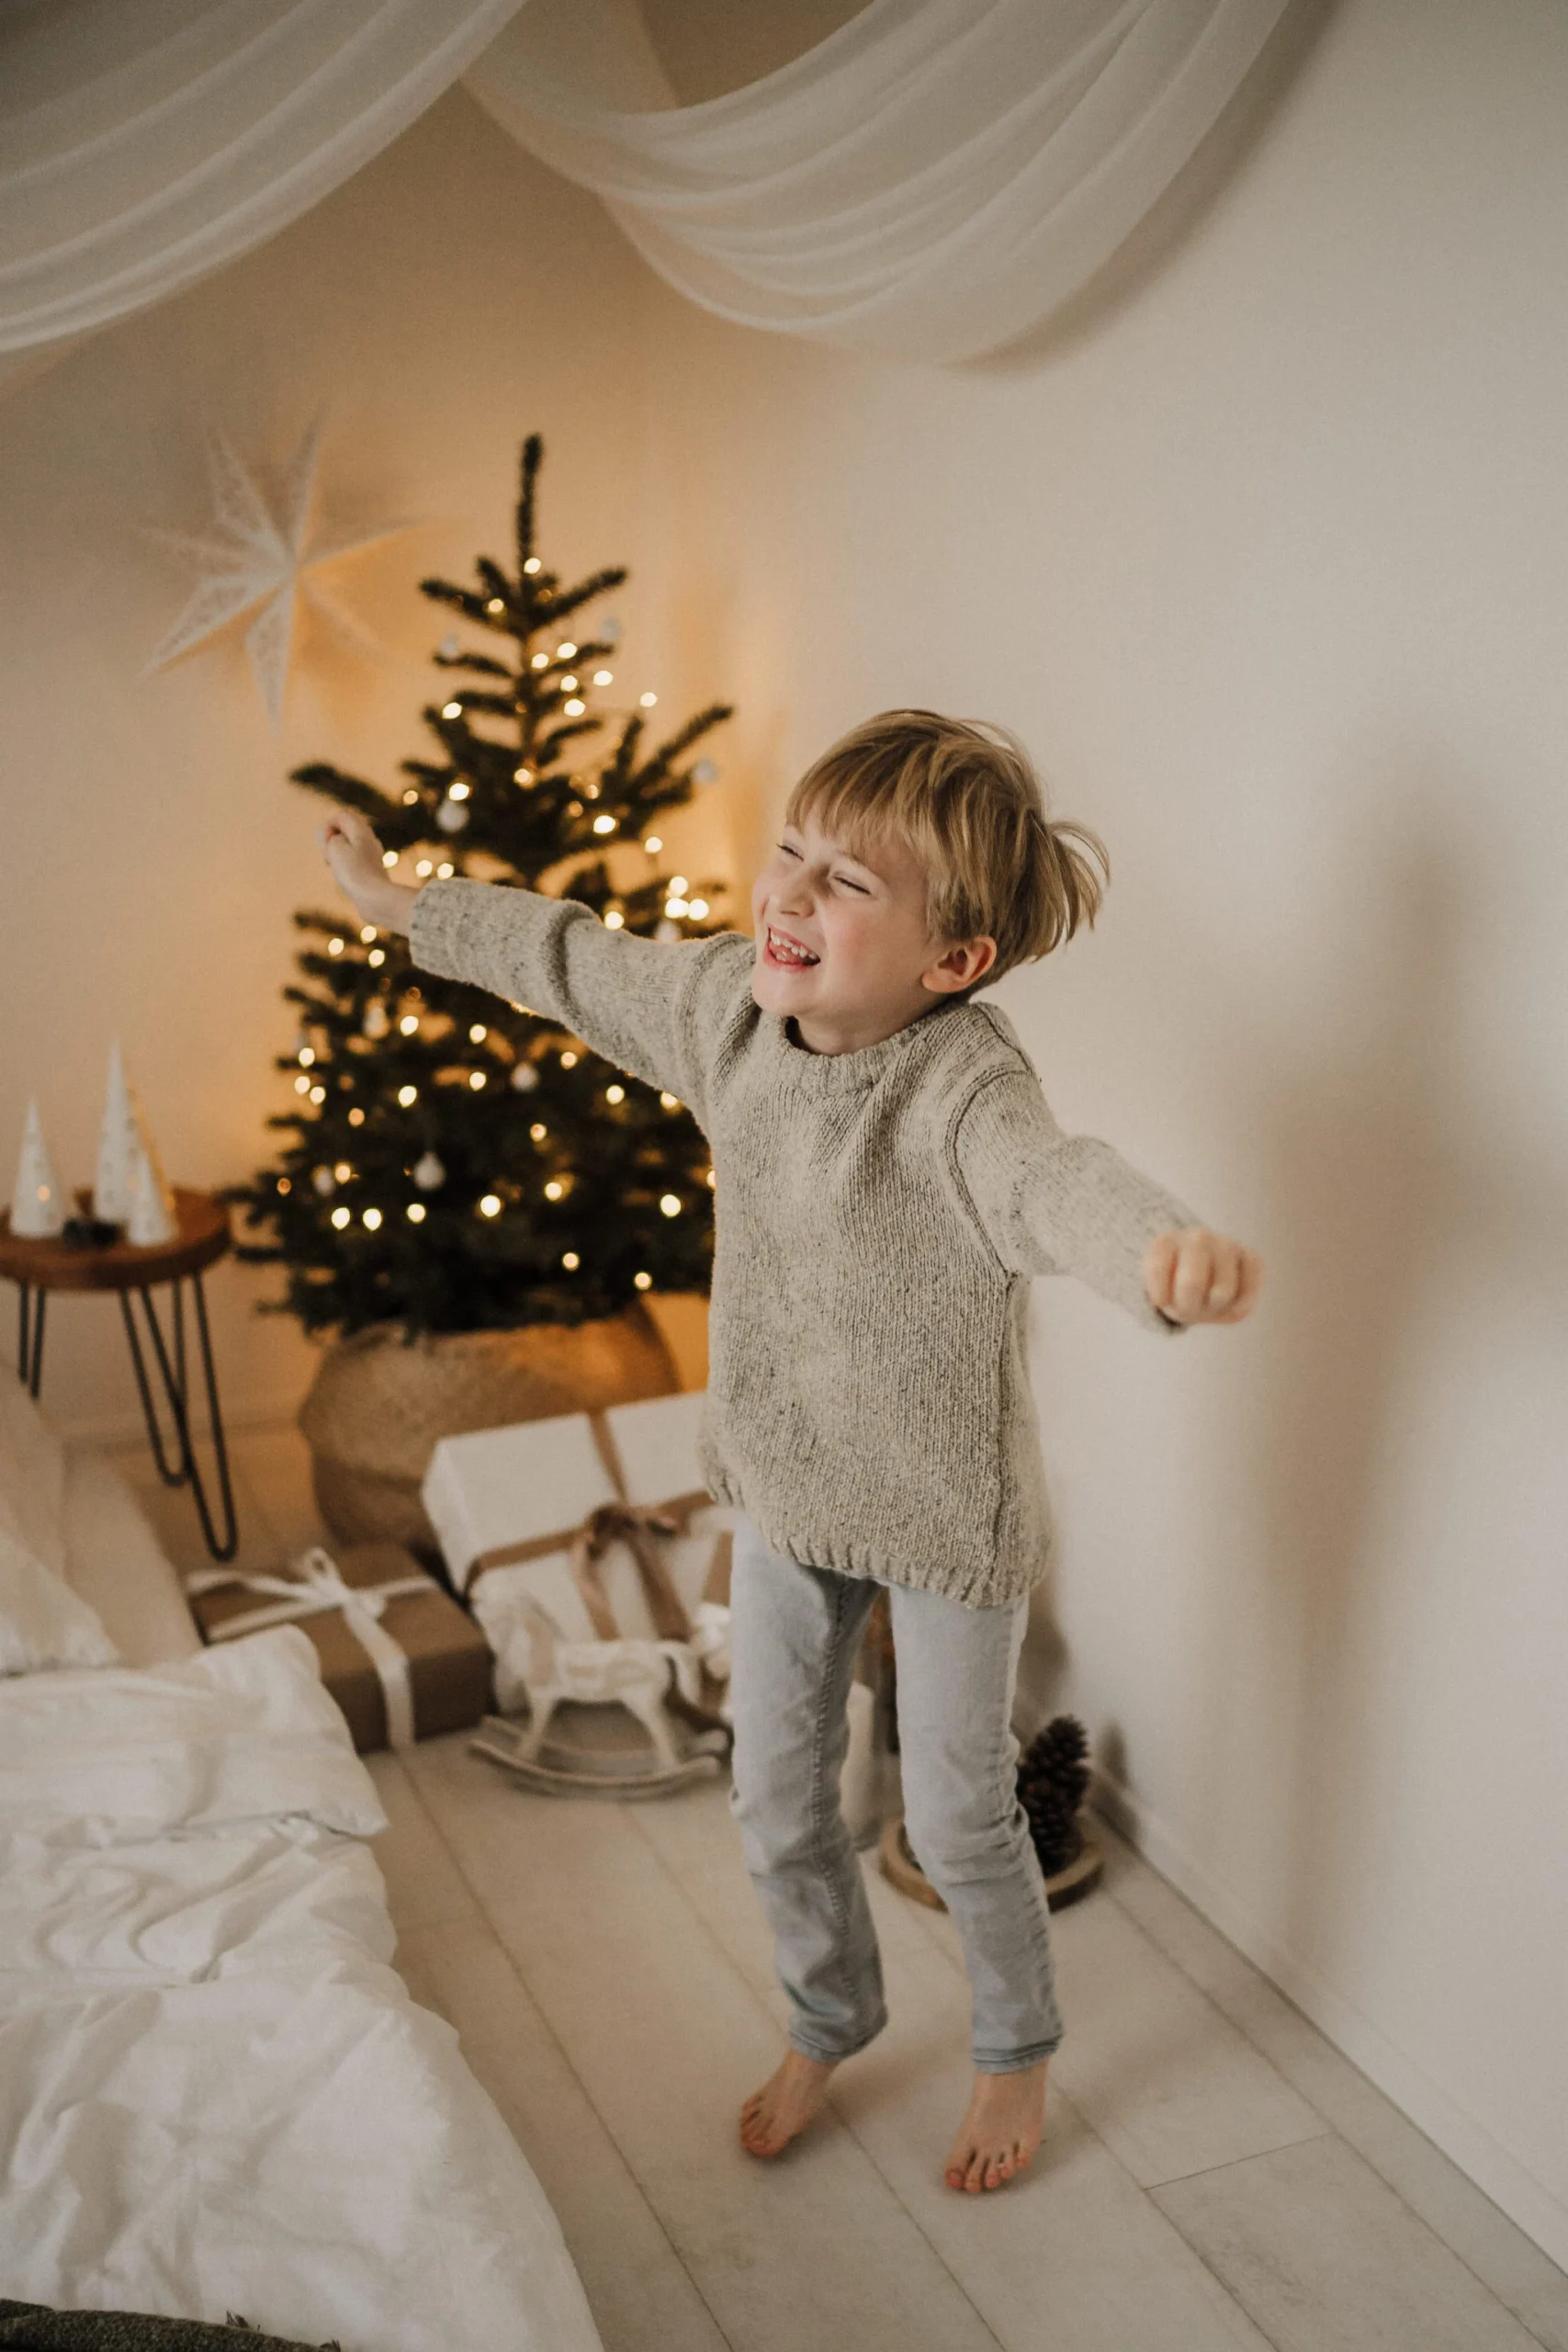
993	1585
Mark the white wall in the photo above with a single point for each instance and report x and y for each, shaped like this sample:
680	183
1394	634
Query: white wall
1268	558
446	302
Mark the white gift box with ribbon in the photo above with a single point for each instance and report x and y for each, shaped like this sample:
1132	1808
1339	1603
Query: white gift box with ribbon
512	1506
490	1490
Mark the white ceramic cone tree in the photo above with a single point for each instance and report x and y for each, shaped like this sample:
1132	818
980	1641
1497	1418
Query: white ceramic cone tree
151	1219
38	1204
116	1146
131	1188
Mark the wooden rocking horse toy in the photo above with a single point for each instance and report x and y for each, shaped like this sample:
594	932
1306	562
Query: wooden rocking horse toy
658	1682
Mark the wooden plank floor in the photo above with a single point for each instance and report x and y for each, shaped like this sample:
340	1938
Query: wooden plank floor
1214	2175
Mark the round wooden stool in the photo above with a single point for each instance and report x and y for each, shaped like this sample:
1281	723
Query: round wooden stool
39	1267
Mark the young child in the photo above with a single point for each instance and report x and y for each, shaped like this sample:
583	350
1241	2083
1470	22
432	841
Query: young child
889	1177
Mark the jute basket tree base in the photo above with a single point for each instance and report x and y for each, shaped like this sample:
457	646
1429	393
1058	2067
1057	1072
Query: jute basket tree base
1063	1886
377	1407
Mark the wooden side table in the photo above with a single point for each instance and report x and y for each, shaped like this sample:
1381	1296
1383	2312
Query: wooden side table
39	1267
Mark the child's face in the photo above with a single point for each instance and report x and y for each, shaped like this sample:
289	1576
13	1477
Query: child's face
843	944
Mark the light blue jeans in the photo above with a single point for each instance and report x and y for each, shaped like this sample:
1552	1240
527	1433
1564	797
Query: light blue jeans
794	1632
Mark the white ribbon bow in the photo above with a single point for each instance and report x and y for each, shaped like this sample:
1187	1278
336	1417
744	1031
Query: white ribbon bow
316	1588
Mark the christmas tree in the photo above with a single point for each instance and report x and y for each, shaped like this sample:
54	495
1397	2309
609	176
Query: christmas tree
459	1163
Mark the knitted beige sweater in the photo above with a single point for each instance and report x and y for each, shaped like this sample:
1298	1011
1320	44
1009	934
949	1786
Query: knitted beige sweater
878	1217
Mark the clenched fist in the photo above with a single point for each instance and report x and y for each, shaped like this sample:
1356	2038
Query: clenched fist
1196	1276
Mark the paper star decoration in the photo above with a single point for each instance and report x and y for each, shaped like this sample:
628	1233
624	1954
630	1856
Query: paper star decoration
262	559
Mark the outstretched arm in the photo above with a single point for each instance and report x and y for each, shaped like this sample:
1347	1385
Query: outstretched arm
640	1002
1057	1203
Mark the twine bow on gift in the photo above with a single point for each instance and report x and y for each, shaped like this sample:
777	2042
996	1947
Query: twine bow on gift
317	1588
638	1526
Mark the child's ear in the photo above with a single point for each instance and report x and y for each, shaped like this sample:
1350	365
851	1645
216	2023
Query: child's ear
960	966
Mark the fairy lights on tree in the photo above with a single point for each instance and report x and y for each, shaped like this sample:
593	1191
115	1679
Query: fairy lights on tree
459	1164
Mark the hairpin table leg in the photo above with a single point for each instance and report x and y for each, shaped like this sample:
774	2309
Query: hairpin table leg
30	1336
176	1392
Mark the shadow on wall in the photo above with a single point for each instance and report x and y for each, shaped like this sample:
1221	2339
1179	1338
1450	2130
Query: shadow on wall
1180	210
1385	1179
1358	1137
1381	1178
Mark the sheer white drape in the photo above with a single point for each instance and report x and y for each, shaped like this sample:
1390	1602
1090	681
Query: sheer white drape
146	142
931	181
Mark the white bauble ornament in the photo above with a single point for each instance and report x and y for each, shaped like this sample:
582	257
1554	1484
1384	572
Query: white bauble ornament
704	773
324	1182
452	816
428	1173
38	1204
525	1077
151	1222
375	1022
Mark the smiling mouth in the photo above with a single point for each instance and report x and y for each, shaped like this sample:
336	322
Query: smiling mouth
788	953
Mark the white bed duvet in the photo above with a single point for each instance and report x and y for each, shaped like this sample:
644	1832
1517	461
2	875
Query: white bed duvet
215	2094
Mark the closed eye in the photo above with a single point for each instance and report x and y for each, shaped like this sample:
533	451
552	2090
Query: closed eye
852	885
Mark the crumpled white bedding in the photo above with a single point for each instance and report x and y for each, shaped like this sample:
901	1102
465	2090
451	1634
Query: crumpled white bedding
215	2092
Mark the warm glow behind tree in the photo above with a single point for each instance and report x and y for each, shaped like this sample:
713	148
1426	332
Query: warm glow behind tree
459	1163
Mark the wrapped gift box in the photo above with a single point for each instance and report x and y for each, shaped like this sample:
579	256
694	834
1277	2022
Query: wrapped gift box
400	1657
528	1488
509	1504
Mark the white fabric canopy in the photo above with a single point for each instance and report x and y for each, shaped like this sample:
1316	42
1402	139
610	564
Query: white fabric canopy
929	183
933	180
144	143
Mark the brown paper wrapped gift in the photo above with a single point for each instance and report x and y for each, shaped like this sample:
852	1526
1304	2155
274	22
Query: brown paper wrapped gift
402	1660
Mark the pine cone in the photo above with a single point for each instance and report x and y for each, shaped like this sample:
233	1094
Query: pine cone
1053	1778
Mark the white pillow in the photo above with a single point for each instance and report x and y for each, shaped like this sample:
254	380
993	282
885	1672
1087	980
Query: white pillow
43	1622
32	1477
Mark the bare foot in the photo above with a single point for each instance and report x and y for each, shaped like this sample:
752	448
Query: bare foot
1002	2130
781	2110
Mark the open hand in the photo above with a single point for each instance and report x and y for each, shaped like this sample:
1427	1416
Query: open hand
352	850
1196	1276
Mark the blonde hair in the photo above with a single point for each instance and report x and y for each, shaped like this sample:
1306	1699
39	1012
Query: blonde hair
964	795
